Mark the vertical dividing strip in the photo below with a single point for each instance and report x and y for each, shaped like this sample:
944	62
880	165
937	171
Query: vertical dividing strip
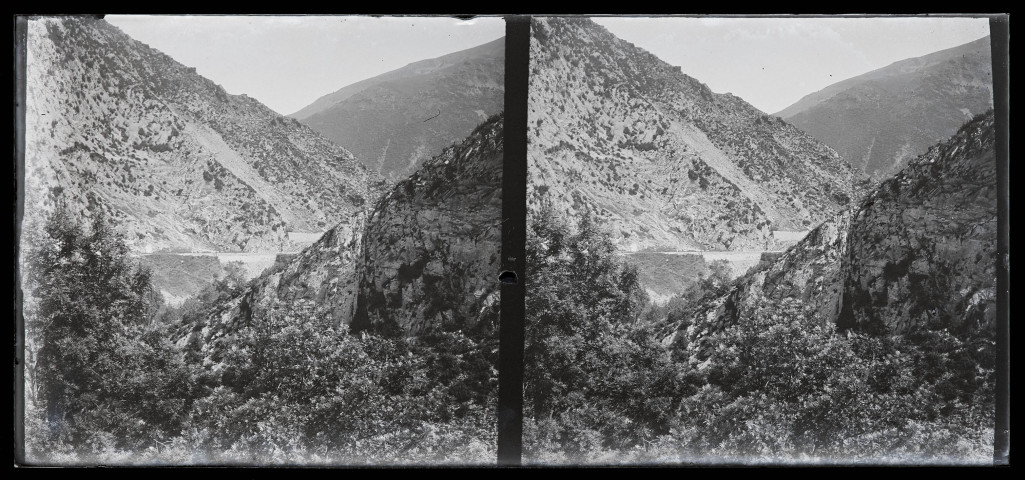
21	46
514	196
999	51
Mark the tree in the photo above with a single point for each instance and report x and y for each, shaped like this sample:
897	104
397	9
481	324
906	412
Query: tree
234	278
595	377
96	369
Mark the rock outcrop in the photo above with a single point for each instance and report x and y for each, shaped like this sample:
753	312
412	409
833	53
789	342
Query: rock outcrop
321	281
397	120
919	252
665	162
882	119
176	162
922	247
432	246
425	258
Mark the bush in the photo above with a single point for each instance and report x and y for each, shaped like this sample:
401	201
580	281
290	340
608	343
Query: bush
785	384
595	378
104	376
294	389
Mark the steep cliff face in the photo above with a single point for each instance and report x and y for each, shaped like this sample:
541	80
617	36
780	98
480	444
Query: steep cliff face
432	246
923	245
668	164
918	253
880	120
177	163
396	121
425	258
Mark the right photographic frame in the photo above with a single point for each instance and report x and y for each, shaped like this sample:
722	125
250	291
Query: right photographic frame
762	240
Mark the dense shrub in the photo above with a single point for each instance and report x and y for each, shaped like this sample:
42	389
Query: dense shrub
103	375
780	384
784	384
294	390
108	382
595	378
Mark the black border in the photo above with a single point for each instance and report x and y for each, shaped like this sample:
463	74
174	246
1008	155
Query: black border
999	40
514	231
18	79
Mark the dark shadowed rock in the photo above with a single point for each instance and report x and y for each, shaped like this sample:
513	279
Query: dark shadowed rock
432	246
923	245
425	258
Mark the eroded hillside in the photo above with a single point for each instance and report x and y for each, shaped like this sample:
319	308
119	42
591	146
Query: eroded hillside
176	162
667	163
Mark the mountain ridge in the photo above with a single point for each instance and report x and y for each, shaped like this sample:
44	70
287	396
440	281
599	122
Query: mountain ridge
895	68
395	121
880	120
420	67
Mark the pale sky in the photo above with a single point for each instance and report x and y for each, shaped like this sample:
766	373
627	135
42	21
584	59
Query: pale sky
288	62
774	62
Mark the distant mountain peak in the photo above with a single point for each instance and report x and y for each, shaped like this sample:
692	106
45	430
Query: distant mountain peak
395	121
494	48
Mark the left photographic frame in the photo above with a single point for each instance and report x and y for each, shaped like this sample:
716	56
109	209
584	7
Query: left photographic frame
261	240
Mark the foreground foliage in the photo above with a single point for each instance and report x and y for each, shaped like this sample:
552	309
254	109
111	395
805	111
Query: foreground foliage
107	384
602	385
779	385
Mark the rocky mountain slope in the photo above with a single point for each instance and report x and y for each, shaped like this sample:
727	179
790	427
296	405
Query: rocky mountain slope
918	253
880	120
397	120
177	162
425	257
664	161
